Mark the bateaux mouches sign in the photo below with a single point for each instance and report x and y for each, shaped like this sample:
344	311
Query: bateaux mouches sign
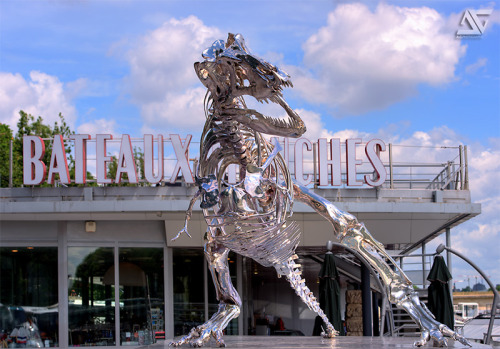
328	158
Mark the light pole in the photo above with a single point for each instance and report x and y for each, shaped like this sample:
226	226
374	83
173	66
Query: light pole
496	296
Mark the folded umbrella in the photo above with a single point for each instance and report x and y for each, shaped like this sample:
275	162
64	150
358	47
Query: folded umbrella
439	299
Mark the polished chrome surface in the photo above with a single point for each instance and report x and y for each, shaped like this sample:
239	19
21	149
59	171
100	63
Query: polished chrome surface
253	216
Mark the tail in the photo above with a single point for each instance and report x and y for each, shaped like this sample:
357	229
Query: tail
293	274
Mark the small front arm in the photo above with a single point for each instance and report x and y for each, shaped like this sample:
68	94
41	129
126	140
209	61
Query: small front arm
189	212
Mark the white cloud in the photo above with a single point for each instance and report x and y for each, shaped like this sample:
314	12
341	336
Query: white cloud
363	60
315	128
162	80
474	67
494	18
183	109
483	171
99	126
42	95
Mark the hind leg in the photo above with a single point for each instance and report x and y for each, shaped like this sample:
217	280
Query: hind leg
292	272
400	291
229	300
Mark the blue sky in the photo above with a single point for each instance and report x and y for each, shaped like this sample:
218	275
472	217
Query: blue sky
392	69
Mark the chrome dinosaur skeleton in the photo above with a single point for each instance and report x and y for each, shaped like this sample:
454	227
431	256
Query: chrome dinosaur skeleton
253	217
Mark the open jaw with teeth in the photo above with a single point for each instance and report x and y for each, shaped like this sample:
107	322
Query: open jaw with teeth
293	127
265	85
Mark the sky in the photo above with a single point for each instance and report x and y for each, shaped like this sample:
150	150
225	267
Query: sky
393	70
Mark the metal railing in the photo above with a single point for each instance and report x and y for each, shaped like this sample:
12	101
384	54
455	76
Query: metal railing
453	176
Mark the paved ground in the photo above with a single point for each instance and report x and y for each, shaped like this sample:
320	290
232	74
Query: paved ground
318	342
476	328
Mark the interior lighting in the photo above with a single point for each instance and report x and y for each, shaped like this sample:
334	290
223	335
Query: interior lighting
90	226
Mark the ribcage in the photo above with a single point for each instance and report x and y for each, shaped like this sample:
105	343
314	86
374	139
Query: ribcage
254	227
268	245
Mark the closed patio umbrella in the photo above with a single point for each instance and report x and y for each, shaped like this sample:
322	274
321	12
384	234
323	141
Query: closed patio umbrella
329	295
440	303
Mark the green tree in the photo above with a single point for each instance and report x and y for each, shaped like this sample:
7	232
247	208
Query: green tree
5	139
113	167
139	162
28	125
72	170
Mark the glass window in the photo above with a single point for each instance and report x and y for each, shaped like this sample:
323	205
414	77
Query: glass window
189	291
91	295
189	299
28	296
141	295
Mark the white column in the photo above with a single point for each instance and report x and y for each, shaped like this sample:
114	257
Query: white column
448	260
424	281
168	281
62	275
117	294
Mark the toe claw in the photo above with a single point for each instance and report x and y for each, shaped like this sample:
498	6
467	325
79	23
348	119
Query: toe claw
424	338
447	332
218	339
438	336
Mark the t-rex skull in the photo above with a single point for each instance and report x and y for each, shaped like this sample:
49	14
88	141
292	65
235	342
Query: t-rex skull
230	72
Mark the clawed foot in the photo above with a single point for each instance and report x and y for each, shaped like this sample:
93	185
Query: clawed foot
439	336
330	333
407	299
200	335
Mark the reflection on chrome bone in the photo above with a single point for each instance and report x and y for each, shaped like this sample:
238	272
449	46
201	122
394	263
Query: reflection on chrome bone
253	217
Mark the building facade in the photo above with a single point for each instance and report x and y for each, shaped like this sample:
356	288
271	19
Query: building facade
95	265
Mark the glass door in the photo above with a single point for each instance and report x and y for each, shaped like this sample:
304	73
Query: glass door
91	296
141	285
